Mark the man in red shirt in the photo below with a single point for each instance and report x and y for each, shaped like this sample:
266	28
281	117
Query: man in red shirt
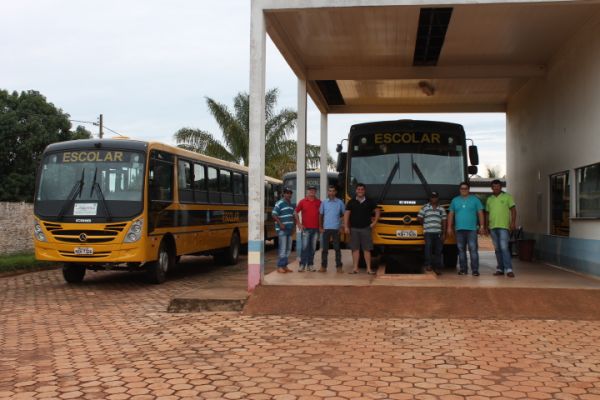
308	210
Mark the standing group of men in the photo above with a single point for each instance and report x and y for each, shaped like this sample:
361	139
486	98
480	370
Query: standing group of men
313	217
465	219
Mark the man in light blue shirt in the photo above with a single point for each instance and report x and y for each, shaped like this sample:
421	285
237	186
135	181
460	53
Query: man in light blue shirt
465	212
330	212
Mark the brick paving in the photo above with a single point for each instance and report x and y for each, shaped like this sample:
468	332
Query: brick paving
110	338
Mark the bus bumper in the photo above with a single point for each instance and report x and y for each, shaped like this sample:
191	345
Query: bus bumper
114	254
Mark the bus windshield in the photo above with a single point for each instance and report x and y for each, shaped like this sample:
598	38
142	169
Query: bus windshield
114	178
373	163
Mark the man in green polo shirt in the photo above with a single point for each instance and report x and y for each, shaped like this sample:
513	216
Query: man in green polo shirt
500	220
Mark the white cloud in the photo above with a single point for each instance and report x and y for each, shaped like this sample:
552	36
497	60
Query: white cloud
148	66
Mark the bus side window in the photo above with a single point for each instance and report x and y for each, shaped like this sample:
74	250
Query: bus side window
200	192
161	181
184	173
238	188
246	188
213	185
225	186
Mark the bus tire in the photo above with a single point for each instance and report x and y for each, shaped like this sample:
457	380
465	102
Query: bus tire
156	271
231	255
450	256
73	273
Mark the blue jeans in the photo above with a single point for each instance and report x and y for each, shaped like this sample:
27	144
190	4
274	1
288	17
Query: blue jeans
468	239
433	242
284	248
500	238
309	245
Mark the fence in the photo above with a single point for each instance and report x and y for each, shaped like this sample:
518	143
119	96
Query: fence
16	227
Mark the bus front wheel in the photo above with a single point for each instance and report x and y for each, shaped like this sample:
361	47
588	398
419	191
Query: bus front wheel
232	253
157	270
73	273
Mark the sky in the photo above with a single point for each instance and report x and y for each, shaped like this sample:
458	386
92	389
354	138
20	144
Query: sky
148	67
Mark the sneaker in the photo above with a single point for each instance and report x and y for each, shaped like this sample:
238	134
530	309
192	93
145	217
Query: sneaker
310	268
301	268
498	273
510	275
475	273
323	269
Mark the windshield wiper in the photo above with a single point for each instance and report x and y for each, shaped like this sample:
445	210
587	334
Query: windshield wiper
388	182
95	185
422	179
75	190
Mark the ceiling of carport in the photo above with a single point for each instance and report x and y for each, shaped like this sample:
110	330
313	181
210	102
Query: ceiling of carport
489	52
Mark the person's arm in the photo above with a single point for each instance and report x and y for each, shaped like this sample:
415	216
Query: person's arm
481	222
444	224
450	223
377	215
347	221
296	212
275	216
420	216
321	223
513	218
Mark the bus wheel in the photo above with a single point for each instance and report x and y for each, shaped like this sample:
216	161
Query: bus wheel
157	270
73	273
232	253
450	256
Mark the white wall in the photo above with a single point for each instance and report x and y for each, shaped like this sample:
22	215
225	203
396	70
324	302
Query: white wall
553	125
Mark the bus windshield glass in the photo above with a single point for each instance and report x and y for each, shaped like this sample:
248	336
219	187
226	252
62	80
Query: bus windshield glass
372	163
112	177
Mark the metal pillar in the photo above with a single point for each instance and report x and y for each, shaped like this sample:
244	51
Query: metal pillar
301	142
256	192
323	177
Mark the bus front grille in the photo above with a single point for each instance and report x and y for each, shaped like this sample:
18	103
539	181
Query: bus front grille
108	234
99	254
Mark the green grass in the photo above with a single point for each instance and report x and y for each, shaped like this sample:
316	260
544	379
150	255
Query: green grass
21	261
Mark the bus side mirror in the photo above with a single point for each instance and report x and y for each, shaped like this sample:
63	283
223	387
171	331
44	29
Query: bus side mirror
341	162
472	169
473	155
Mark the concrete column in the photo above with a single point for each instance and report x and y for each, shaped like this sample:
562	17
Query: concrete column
301	142
256	191
324	182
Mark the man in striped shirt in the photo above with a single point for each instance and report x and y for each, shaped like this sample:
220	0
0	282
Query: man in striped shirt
283	215
433	217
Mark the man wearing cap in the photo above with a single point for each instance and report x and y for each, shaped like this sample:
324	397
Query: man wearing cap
309	208
283	215
433	217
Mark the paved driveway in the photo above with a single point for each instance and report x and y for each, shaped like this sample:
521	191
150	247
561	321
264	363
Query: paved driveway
110	338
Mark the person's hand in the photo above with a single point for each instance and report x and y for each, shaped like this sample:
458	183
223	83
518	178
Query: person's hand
513	226
449	232
442	237
321	230
301	227
347	230
282	225
482	231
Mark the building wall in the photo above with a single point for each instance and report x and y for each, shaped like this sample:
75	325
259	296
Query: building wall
553	125
16	225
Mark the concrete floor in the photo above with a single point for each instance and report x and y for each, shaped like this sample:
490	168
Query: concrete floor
528	274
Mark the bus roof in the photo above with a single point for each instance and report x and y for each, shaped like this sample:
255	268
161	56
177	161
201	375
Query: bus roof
141	145
406	124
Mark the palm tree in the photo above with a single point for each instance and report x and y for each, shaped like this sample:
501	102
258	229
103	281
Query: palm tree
493	172
280	152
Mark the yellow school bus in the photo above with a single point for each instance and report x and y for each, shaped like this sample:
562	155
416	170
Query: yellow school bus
401	163
129	204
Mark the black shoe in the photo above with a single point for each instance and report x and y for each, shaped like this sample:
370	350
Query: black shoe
498	273
462	273
475	273
437	271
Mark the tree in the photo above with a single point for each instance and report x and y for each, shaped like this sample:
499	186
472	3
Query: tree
493	172
28	123
280	152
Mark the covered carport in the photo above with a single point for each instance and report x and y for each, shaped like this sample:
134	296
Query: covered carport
537	61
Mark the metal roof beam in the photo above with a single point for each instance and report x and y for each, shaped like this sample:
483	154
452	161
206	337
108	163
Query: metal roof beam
418	108
437	72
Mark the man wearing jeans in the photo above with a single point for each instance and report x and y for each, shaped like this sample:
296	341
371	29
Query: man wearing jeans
501	216
433	217
466	210
283	215
309	208
330	212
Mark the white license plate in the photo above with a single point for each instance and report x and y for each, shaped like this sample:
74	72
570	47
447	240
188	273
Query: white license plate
83	250
406	234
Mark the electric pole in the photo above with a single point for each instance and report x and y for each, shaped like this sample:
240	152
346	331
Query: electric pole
101	127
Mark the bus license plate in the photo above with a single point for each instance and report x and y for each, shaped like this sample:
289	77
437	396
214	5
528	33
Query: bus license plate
406	234
84	251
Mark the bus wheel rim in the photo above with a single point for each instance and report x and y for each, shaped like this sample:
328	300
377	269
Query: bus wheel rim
164	261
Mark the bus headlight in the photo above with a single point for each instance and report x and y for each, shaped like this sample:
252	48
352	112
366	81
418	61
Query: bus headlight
38	233
135	231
